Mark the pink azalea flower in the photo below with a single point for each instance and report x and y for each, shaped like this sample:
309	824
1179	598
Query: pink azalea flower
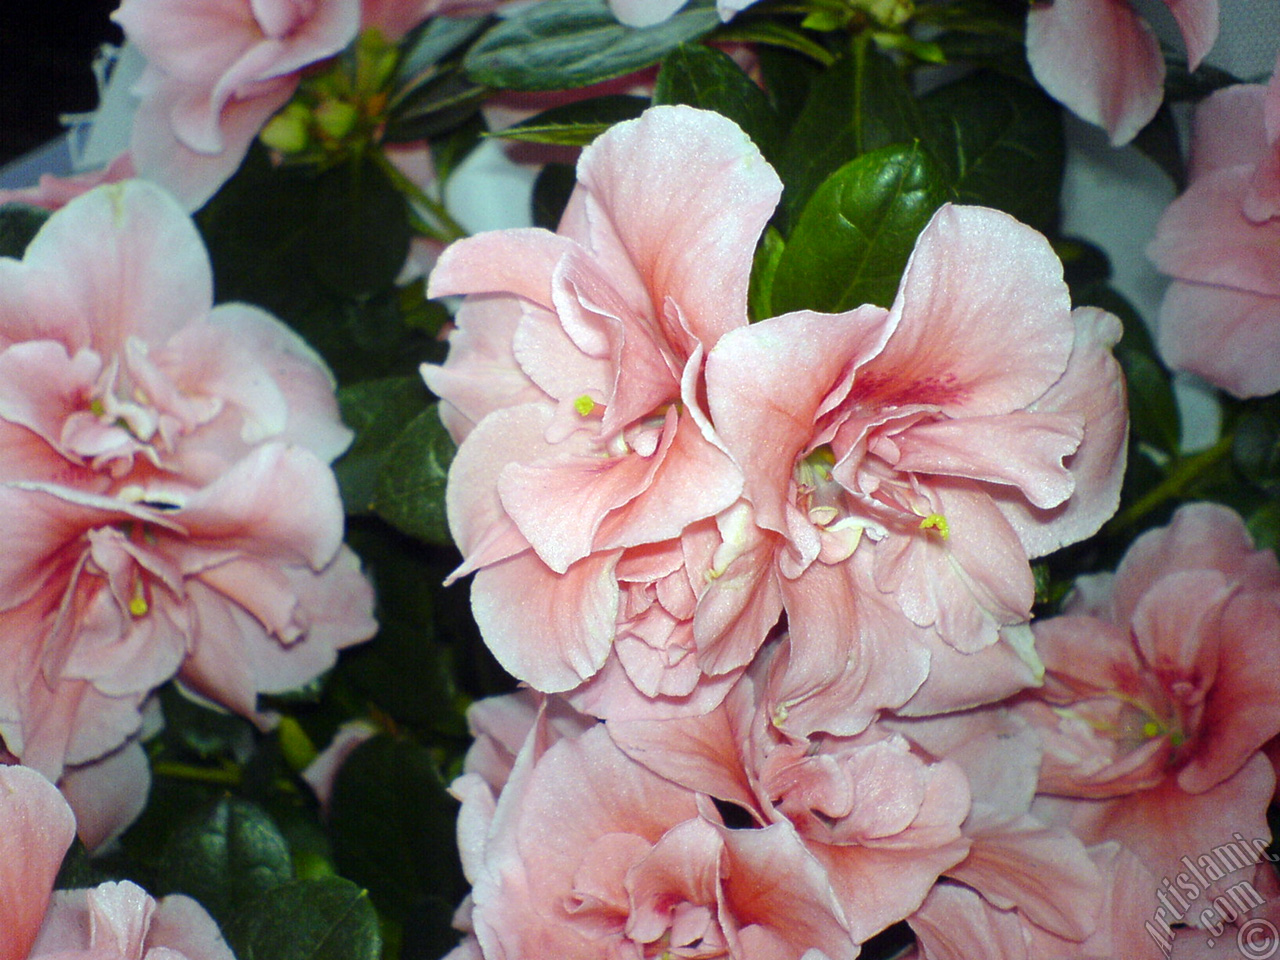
216	71
882	821
114	921
1103	62
1159	696
586	853
588	479
1220	241
928	451
165	486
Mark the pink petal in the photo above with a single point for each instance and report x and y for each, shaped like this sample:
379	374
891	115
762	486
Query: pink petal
1101	60
1092	388
36	828
1021	449
515	262
519	604
108	794
1229	337
765	420
129	262
182	924
682	195
1205	237
1229	129
985	339
1198	21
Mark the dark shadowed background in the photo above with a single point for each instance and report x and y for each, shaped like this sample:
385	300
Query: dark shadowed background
46	47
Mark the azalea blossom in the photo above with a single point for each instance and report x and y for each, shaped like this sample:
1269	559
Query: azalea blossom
902	483
1159	696
114	921
1103	62
217	71
881	820
588	479
165	486
1220	242
580	852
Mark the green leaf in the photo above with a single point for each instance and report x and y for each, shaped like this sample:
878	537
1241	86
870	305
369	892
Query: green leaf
376	410
409	493
1153	411
359	233
574	43
709	79
576	124
435	106
860	104
1264	526
763	270
19	224
226	856
854	237
324	919
429	43
1001	142
391	822
774	34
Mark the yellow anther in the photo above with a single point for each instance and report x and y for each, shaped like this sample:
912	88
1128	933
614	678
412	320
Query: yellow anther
936	521
138	605
97	407
1150	728
584	405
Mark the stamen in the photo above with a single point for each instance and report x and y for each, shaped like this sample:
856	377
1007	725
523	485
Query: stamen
936	521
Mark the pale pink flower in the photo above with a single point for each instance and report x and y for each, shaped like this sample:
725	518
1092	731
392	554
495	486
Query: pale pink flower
588	482
216	71
1220	241
587	853
1103	62
114	921
882	821
165	486
1159	695
903	465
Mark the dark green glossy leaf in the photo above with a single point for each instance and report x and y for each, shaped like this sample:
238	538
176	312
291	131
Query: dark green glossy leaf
324	919
854	237
573	43
359	234
1264	526
1001	143
435	106
226	856
860	104
1153	411
377	411
709	79
763	269
391	823
576	124
429	43
409	493
19	223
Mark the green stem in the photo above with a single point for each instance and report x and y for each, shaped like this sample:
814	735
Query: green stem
445	228
223	776
1182	474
